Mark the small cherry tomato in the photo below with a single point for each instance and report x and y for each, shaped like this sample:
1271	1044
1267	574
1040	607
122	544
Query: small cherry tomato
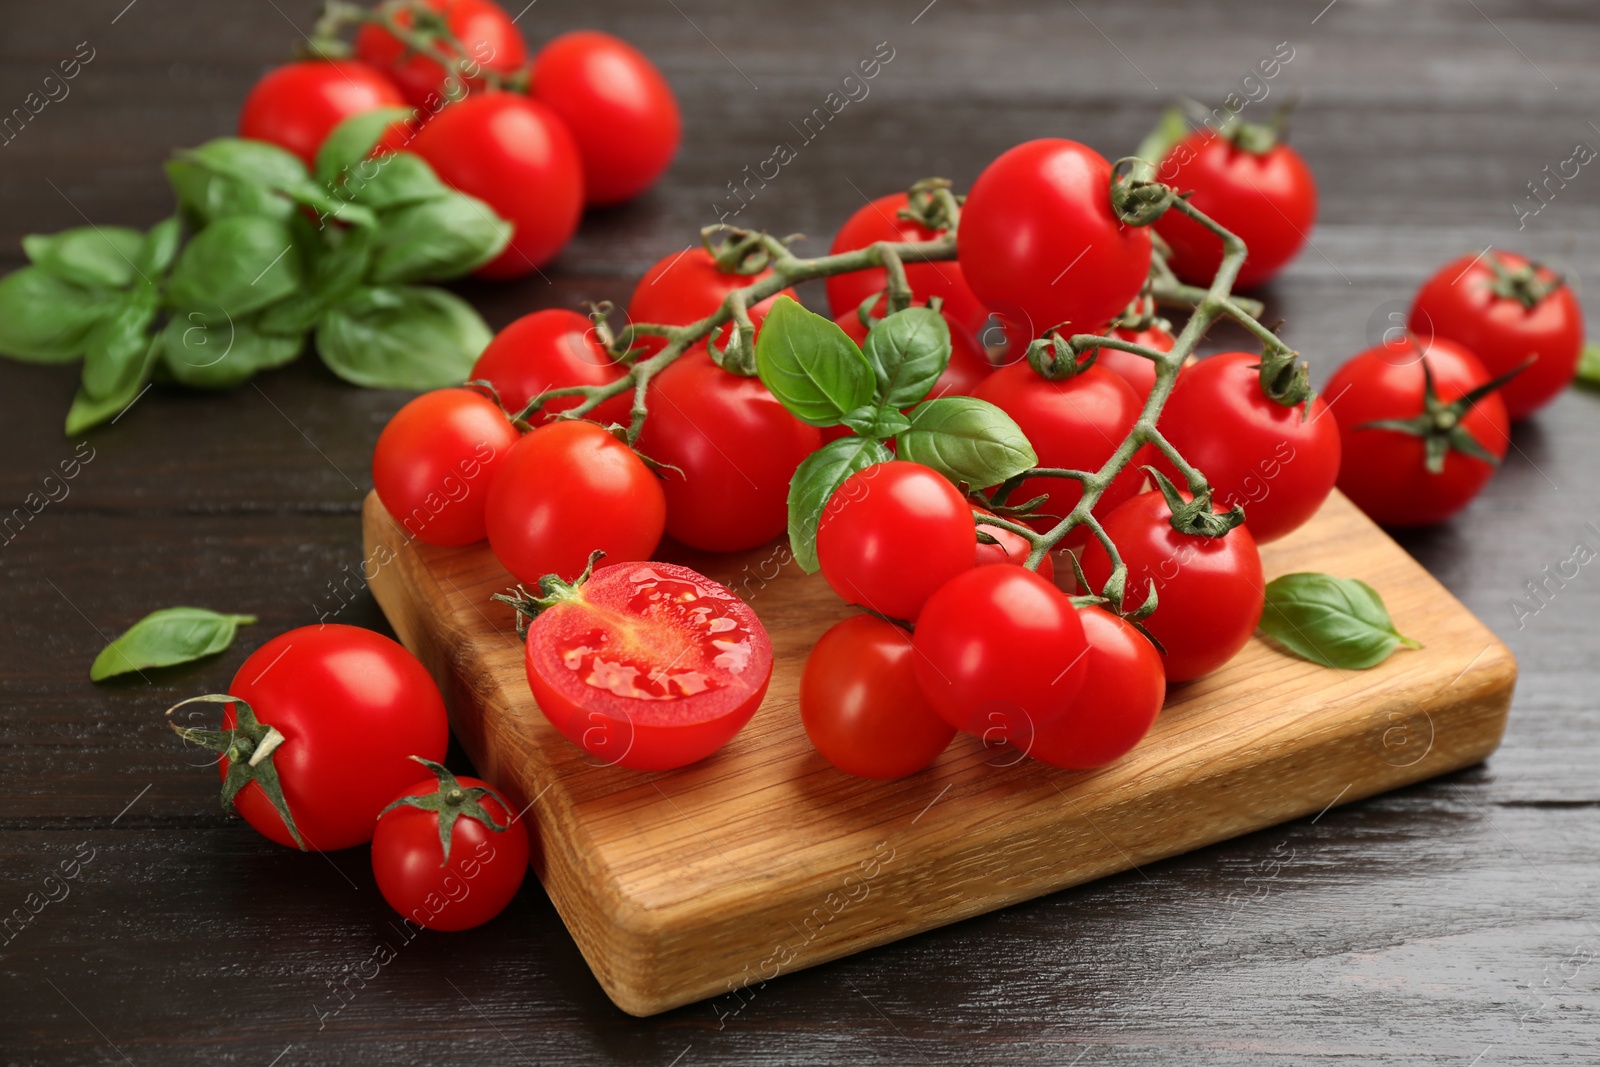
861	706
648	665
1123	689
551	349
489	39
435	461
448	853
892	534
1504	309
297	105
1012	548
686	287
565	490
1138	372
620	110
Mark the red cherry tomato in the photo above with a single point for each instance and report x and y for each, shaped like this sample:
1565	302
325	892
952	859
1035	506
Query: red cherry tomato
892	534
488	37
435	461
1384	471
517	156
1040	245
1268	199
1137	371
880	221
566	490
1461	304
1075	423
1123	688
649	665
861	706
686	287
550	349
297	105
735	449
620	110
1000	653
1011	549
353	707
479	876
1279	463
1210	589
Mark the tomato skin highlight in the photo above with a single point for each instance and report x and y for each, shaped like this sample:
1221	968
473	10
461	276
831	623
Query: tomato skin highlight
735	447
435	461
1279	463
637	609
1211	590
1041	214
1459	304
353	707
551	349
487	33
517	156
1269	200
685	287
892	534
1123	690
297	105
565	490
1384	472
414	876
620	110
861	706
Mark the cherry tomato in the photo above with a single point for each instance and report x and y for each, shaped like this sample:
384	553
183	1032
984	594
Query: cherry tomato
483	869
620	110
1075	423
880	221
353	707
1210	589
551	349
735	449
1385	471
1040	245
686	287
649	665
488	37
565	490
1466	303
1279	463
861	706
1268	199
435	461
517	156
968	365
1123	688
297	105
892	534
1000	653
1134	369
1011	549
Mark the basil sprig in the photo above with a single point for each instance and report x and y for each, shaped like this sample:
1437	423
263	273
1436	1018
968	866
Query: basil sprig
1337	622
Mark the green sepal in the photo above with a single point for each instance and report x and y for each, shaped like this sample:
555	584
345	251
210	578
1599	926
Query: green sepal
248	748
449	802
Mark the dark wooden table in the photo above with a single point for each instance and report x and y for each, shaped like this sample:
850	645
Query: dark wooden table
1451	923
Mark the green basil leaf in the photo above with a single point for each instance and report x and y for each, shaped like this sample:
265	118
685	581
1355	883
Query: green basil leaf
1337	622
87	411
291	317
166	637
811	365
208	197
393	181
1589	366
208	355
341	266
271	168
236	266
908	351
116	347
353	139
882	423
407	337
966	440
436	240
815	481
159	247
88	255
44	319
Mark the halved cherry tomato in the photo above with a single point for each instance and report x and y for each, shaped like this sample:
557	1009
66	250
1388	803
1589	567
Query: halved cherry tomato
551	349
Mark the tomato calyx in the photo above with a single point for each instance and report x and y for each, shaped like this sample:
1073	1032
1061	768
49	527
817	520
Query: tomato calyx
1196	516
740	252
552	591
1440	423
1523	283
248	747
1138	201
451	801
1285	379
1053	358
421	28
931	203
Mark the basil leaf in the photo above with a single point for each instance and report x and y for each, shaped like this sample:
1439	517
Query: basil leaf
908	351
353	140
1337	622
816	480
236	266
166	637
291	317
159	247
1589	366
438	239
44	319
408	337
882	423
271	168
116	348
88	411
393	181
220	356
339	270
811	365
966	440
88	255
207	197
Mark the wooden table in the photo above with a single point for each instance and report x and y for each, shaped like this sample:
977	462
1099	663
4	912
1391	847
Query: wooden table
1451	923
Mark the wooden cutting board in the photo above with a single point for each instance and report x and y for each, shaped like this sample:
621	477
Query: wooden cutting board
763	859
